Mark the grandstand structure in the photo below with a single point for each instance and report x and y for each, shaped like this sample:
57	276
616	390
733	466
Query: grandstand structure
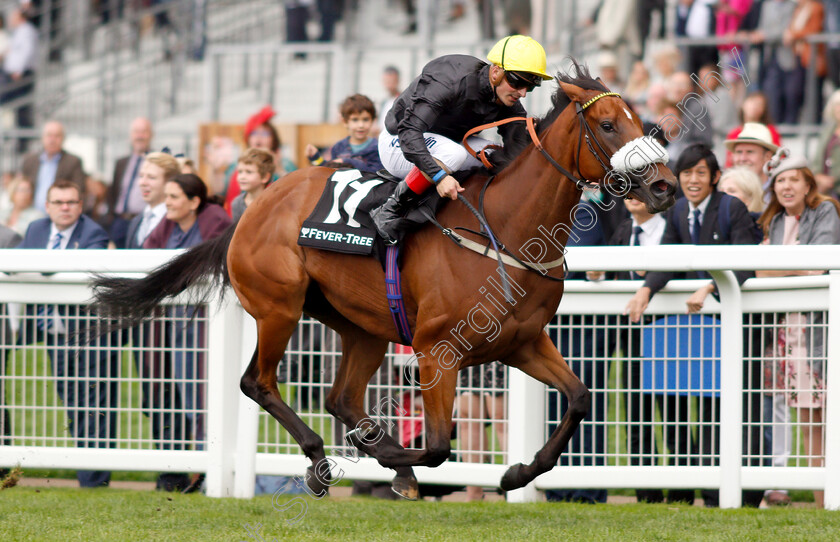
109	73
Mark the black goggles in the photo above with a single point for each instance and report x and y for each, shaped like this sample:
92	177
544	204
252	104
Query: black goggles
519	80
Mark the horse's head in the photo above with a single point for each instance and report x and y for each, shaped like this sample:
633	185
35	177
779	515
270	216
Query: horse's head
613	148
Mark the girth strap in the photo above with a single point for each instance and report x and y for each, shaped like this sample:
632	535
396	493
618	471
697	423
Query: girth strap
393	292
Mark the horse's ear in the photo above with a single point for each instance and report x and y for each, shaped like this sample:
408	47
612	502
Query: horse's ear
574	92
602	83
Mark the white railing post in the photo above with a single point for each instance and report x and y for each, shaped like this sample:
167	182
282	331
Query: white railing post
224	347
526	427
731	387
832	407
248	424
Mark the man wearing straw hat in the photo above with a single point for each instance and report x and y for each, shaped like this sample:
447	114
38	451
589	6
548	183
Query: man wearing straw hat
752	148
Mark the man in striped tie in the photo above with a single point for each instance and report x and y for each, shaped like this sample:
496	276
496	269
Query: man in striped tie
124	197
86	379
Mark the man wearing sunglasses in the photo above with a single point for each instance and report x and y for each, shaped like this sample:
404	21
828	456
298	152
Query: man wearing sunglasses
454	93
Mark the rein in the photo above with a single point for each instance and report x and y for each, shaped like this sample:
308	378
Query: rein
509	258
535	139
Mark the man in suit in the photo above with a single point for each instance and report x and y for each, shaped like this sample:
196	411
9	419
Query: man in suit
53	163
704	216
640	229
86	378
124	198
150	185
160	397
8	239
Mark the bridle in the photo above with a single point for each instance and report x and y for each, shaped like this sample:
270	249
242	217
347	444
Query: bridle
615	169
584	133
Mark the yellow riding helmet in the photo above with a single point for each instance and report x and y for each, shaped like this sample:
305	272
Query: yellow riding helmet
519	54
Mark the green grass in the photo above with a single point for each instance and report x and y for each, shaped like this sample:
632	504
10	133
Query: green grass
112	515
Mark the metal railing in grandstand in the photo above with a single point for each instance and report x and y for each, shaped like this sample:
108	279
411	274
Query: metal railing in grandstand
113	67
752	57
695	375
97	71
332	71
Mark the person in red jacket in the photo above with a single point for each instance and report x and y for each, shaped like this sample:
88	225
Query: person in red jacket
259	134
754	109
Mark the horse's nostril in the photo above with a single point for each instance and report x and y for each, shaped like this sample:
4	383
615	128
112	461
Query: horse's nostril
661	187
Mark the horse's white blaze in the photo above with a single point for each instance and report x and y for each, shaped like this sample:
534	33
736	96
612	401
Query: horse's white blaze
638	155
629	116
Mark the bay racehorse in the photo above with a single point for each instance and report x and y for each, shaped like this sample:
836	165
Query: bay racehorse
456	320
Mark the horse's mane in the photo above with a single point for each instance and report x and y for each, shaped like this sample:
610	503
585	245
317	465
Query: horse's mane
577	75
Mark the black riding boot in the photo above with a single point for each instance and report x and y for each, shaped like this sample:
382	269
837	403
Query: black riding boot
386	217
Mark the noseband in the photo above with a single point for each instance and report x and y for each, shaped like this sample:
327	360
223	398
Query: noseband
584	133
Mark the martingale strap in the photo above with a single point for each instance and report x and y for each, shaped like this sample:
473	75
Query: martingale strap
393	291
509	260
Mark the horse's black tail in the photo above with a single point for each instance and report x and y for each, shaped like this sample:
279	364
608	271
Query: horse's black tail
133	300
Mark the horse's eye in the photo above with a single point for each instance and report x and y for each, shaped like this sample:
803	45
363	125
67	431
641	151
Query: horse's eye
607	126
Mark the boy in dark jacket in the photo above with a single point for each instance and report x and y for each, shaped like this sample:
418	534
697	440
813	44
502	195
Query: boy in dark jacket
358	149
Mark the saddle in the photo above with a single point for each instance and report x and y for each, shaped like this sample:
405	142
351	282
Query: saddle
341	220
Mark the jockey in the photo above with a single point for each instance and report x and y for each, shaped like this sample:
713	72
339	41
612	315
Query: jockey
454	93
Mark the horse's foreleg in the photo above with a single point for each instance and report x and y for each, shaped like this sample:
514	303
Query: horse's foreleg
438	387
542	361
260	384
362	356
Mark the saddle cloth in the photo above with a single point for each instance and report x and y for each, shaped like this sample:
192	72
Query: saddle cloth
341	220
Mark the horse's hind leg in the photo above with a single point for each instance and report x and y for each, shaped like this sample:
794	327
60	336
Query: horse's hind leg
362	356
541	360
260	384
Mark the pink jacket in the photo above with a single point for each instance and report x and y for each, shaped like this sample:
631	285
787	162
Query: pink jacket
729	23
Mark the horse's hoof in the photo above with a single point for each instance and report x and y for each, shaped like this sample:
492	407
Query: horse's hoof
513	478
406	487
318	486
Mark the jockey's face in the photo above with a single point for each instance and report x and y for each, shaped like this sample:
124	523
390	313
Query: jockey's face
506	94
